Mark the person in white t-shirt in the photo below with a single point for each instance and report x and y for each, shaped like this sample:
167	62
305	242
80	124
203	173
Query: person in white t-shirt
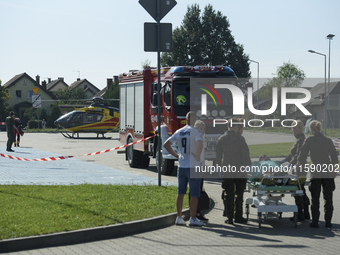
189	141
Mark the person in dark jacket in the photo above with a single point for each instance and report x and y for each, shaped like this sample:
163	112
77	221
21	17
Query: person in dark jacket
232	151
322	153
10	127
302	202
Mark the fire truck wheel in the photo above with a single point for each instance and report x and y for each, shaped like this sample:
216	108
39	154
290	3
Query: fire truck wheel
145	161
167	165
133	156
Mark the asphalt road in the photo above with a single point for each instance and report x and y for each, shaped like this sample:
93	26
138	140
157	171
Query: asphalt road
56	143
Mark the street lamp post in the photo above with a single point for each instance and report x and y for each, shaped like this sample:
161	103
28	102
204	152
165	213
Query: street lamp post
258	80
329	37
326	106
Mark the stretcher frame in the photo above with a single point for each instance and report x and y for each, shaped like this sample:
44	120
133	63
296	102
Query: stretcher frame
268	199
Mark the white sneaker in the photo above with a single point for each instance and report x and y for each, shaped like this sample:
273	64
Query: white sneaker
195	222
180	221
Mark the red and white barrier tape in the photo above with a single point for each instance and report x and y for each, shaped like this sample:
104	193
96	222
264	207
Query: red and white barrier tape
67	157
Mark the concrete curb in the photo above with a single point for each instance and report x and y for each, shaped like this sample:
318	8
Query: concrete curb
89	234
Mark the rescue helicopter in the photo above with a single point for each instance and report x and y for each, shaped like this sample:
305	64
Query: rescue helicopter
97	118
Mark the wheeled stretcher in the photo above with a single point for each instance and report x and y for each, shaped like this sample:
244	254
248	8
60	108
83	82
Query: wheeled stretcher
268	198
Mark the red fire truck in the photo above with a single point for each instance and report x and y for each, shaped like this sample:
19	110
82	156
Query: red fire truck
139	111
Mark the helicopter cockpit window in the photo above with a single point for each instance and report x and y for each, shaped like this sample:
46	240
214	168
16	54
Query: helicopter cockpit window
77	118
67	117
92	117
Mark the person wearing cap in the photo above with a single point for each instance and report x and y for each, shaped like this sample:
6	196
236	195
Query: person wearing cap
10	127
302	202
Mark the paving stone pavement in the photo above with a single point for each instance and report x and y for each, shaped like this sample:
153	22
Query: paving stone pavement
216	237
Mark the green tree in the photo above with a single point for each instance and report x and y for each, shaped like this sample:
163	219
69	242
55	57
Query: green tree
287	75
146	63
70	96
4	96
290	74
206	40
31	114
55	113
112	93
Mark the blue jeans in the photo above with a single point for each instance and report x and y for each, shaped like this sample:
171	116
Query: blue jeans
183	175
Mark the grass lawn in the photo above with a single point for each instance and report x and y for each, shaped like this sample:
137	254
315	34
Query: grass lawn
274	149
35	209
331	132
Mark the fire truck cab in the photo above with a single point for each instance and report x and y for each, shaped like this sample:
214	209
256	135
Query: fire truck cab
139	111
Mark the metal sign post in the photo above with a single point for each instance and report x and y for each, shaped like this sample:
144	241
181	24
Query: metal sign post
159	39
36	103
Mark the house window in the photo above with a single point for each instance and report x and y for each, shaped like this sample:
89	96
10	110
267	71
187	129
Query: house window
18	94
29	93
24	82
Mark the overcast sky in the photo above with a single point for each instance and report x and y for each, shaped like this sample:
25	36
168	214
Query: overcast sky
99	39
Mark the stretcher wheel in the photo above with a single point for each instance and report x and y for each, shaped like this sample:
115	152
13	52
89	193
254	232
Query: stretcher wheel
259	219
247	211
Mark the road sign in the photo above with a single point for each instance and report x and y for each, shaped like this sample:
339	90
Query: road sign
35	90
165	37
36	101
151	7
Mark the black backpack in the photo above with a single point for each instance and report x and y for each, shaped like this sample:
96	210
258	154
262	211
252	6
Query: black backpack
203	201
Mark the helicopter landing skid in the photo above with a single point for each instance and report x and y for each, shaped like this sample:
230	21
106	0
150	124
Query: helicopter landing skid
75	135
70	135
